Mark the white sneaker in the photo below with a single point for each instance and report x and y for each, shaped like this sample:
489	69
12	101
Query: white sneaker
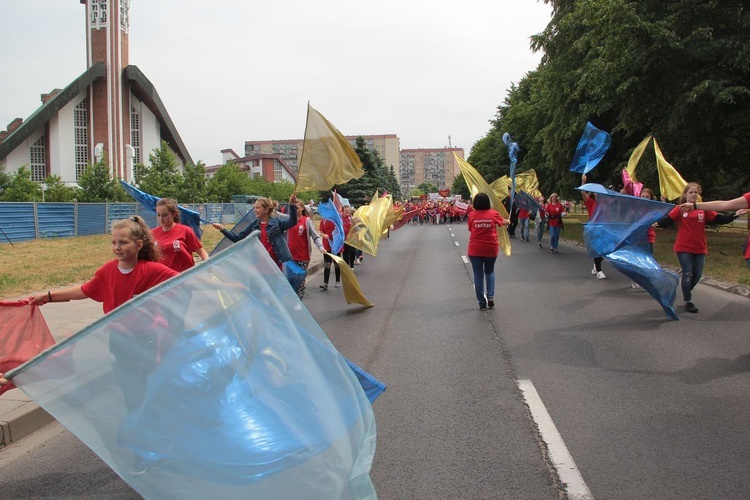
594	271
600	276
634	284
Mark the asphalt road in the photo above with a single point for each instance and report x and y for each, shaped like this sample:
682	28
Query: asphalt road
646	407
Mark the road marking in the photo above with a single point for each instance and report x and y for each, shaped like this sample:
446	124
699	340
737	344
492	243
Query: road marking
466	260
456	243
566	468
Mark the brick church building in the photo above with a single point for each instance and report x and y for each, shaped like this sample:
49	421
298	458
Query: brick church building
111	111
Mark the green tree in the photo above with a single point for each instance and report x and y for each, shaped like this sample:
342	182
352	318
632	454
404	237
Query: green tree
162	177
96	184
4	181
460	187
57	191
194	187
428	187
376	177
21	188
227	181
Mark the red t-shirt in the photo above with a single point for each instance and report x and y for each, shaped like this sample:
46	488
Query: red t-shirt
113	288
554	210
177	246
326	228
523	213
298	241
590	204
651	235
267	243
691	230
483	234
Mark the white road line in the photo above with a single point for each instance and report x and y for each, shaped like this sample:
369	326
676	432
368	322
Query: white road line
456	243
567	471
465	259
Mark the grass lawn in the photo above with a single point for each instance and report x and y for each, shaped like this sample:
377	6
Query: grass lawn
39	265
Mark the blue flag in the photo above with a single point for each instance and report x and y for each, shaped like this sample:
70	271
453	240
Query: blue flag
188	217
591	148
618	231
218	383
328	211
526	201
513	156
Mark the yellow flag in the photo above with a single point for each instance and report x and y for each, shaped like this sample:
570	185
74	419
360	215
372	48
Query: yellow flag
476	184
671	182
327	157
635	157
394	214
352	293
501	187
529	183
367	224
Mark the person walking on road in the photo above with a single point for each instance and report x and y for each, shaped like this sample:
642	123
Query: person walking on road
177	242
589	201
298	239
483	248
690	245
554	210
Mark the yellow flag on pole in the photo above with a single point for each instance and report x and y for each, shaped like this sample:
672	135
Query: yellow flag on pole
327	157
367	224
476	184
635	157
671	182
352	292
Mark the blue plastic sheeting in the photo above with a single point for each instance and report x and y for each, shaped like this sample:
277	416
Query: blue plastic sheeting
225	242
56	220
591	148
618	231
328	211
215	384
188	217
92	219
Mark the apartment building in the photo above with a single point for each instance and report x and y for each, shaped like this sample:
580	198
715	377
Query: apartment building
435	166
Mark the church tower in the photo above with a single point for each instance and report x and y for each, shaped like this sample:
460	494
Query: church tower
108	103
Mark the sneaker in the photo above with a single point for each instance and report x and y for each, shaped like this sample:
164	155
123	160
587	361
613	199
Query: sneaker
490	303
633	284
690	307
338	284
600	276
324	286
551	249
482	307
555	250
594	271
539	245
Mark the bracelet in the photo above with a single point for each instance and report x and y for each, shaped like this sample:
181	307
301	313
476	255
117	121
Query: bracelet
49	296
695	206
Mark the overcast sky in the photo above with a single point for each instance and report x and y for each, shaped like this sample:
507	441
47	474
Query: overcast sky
235	70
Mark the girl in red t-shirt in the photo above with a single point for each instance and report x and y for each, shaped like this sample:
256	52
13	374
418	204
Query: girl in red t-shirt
690	245
483	248
298	239
176	242
554	210
741	204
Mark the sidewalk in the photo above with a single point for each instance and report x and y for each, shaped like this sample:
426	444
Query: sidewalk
19	416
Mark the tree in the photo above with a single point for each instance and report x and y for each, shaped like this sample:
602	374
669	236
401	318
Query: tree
227	181
194	187
57	191
21	188
162	177
4	181
428	187
96	184
376	177
460	187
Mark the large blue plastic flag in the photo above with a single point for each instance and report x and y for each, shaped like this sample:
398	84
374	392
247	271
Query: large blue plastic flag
513	156
225	242
215	384
618	231
329	212
591	148
188	217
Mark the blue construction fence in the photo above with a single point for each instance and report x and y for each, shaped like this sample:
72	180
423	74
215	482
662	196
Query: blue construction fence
30	221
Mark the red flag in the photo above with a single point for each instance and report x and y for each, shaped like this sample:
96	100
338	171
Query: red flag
23	335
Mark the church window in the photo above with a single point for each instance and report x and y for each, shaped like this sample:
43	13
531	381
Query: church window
81	132
124	19
135	136
38	160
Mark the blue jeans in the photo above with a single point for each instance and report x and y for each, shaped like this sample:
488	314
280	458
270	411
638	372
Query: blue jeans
692	270
524	225
484	269
554	236
540	231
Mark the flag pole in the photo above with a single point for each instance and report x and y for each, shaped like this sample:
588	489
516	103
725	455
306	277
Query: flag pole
6	237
